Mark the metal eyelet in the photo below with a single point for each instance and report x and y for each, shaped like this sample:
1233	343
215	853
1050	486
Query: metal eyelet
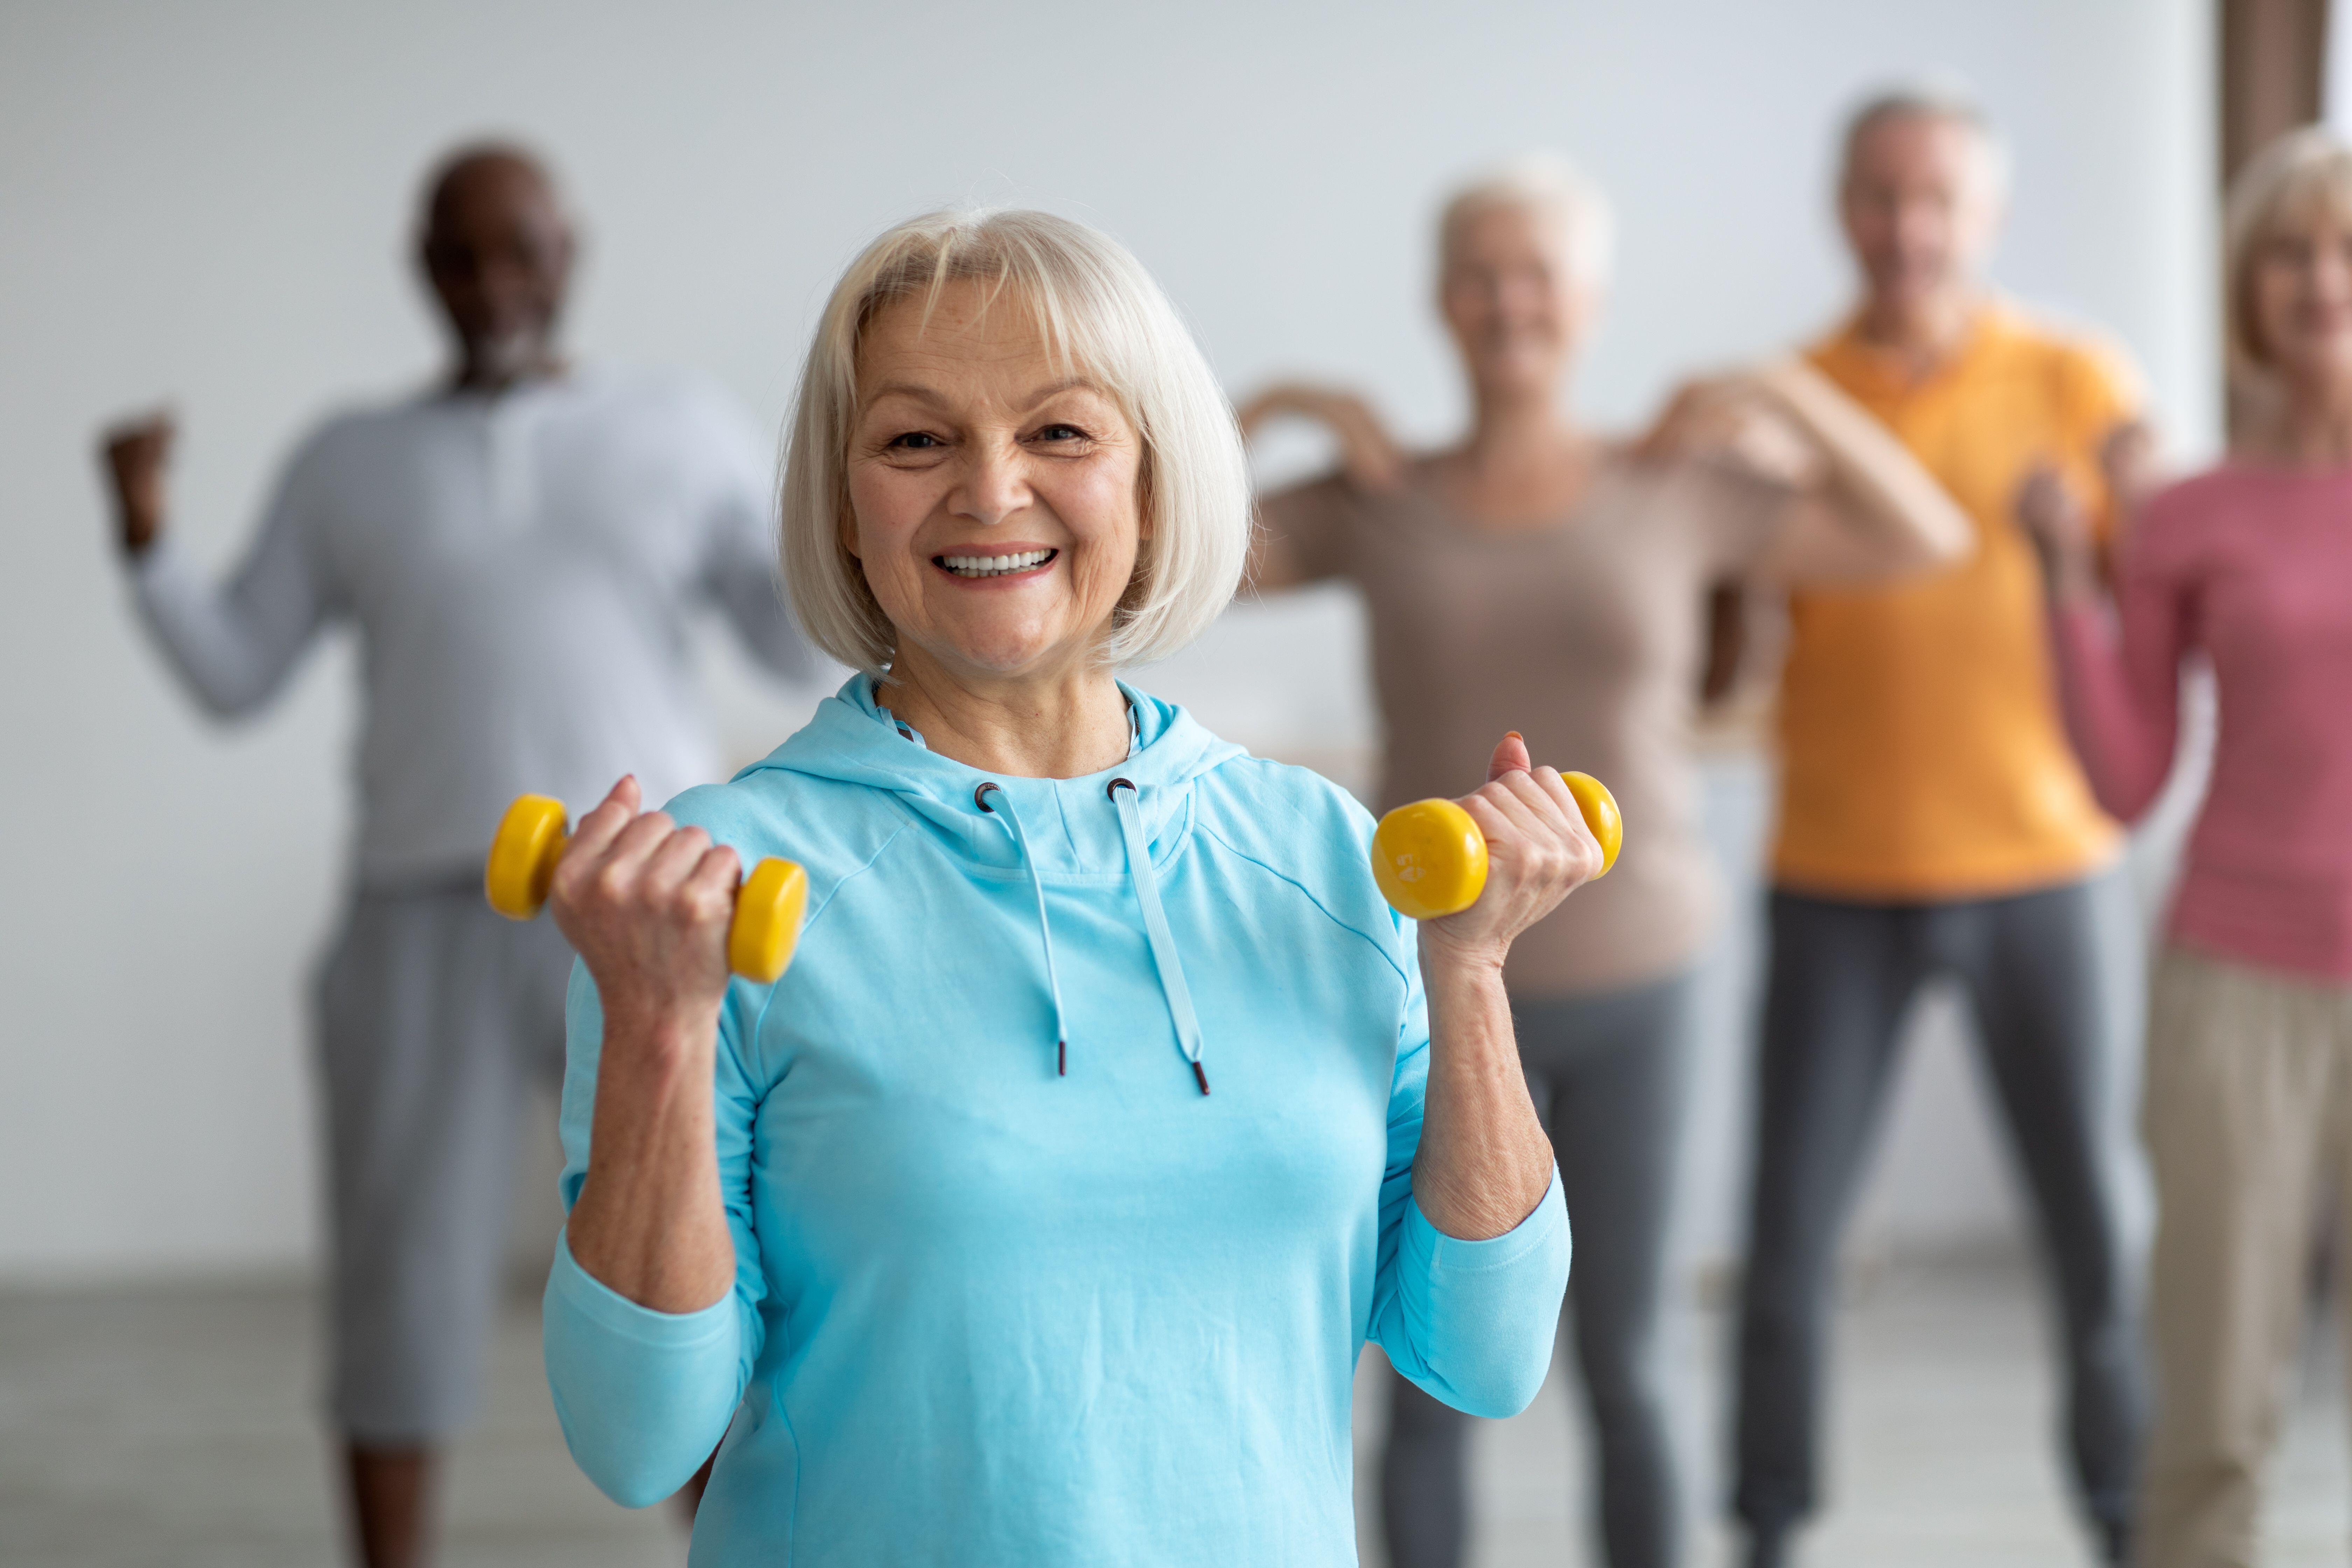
1111	790
980	794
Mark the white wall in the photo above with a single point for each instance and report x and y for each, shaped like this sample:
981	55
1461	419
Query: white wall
209	205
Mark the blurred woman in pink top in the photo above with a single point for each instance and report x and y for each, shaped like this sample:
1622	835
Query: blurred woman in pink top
2249	1102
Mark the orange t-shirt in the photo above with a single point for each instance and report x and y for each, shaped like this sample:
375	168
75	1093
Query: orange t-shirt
1922	754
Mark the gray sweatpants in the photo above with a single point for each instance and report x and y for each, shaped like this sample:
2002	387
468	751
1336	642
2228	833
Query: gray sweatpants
435	1017
1607	1075
1842	977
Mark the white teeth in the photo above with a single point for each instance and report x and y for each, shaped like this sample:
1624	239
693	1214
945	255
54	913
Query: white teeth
994	565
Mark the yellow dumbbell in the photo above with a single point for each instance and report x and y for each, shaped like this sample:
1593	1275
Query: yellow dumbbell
531	838
1430	858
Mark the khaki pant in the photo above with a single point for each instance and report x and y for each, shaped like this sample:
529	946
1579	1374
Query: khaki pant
2248	1104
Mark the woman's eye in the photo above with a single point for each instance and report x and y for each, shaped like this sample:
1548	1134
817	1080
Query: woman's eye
1061	433
915	441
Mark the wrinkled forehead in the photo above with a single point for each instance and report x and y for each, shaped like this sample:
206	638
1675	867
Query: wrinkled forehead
988	330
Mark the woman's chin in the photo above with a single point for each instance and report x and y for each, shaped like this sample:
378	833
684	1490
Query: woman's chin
1013	656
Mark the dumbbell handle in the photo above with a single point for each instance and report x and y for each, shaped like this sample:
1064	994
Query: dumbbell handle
531	838
1430	860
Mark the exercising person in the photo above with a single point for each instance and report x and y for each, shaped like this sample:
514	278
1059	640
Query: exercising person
1538	574
1041	1210
521	549
2247	567
1934	821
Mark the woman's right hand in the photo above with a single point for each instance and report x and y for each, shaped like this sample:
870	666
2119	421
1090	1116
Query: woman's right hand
647	904
1368	459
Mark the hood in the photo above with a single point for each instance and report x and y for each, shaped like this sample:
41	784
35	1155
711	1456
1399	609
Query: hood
1072	831
1119	824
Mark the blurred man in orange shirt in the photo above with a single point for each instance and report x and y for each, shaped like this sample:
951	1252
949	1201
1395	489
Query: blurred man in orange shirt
1933	822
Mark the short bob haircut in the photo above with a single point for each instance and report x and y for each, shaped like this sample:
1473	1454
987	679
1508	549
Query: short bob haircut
2302	175
1556	191
1101	315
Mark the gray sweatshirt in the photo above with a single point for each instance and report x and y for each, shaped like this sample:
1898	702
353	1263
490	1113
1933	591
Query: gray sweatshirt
521	570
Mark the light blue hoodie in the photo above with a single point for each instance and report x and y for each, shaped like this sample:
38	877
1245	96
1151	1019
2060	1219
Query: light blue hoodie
990	1312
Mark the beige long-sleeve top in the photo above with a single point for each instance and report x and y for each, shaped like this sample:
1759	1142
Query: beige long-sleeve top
1585	636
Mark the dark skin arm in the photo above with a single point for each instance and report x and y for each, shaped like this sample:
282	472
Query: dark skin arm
135	455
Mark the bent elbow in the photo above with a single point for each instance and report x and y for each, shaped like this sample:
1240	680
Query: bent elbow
1503	1389
630	1472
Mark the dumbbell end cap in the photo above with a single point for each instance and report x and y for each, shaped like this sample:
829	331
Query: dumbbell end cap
766	928
1429	859
523	853
1601	814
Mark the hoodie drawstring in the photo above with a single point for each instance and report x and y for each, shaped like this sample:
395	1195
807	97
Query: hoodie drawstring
1011	820
1155	928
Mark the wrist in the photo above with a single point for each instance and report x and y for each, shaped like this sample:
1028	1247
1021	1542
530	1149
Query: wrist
2071	581
663	1035
1447	962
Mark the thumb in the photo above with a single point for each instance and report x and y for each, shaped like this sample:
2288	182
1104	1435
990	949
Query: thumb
1510	757
627	794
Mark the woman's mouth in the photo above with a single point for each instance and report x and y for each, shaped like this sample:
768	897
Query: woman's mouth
994	565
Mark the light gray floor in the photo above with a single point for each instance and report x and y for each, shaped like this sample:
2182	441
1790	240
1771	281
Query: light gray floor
173	1428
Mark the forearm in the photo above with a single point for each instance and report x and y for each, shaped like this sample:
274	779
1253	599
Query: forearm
2124	728
1870	478
650	1222
1484	1162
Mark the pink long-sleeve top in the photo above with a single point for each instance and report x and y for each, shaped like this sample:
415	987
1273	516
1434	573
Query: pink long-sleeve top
2251	567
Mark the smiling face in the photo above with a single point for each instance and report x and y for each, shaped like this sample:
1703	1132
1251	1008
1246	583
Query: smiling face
2299	299
498	251
1512	301
1920	203
995	501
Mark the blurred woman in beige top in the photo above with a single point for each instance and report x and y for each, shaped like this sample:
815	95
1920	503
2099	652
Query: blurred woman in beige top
1539	577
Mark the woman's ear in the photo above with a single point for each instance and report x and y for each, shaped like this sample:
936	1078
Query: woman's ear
845	531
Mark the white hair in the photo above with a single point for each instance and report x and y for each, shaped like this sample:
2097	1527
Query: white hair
1098	311
2303	175
1941	99
1554	189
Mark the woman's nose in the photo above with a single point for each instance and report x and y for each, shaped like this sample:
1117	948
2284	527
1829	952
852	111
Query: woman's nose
995	484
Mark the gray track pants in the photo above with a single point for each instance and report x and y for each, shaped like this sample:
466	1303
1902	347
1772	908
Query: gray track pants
435	1017
1607	1075
1842	977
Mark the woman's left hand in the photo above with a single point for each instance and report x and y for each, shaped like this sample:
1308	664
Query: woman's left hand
1538	851
1748	416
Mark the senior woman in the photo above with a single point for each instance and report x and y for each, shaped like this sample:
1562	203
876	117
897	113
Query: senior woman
1039	1212
2247	567
1539	576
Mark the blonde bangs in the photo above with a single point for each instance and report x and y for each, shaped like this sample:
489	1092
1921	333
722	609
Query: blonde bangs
1101	315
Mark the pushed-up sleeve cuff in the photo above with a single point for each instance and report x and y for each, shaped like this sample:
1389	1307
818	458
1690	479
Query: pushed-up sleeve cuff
1482	1314
642	1396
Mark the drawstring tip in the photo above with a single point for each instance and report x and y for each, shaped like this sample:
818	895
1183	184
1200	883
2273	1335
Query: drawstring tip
1061	1058
1201	1076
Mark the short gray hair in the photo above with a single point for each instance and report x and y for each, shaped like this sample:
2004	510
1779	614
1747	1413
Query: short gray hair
1097	311
1933	98
2301	173
1553	188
